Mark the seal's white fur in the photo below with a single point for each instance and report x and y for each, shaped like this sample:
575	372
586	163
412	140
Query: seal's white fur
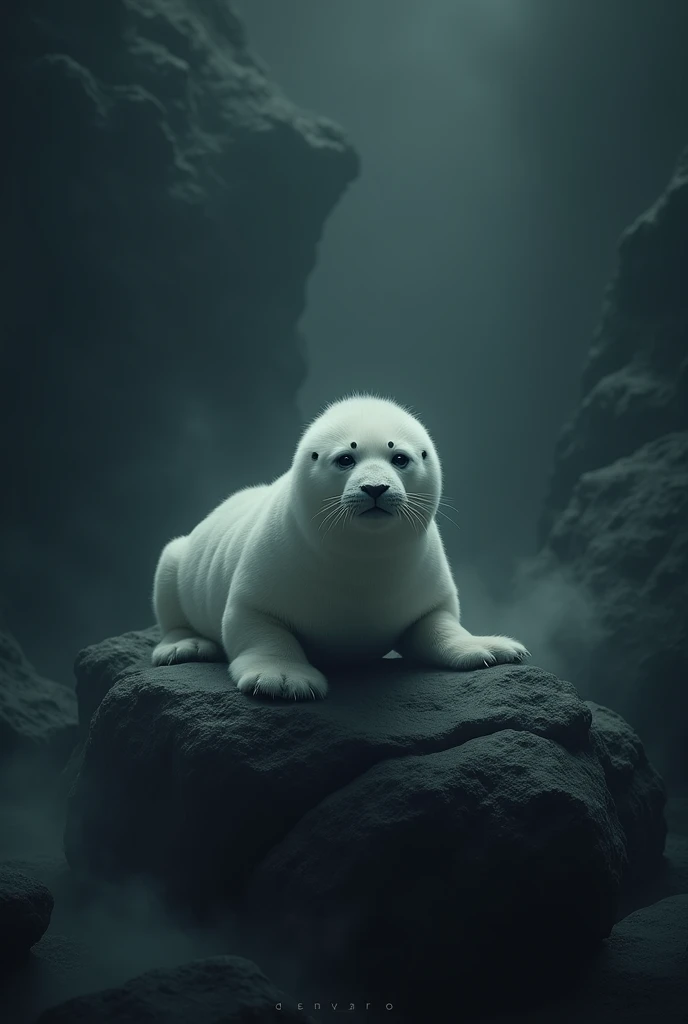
300	572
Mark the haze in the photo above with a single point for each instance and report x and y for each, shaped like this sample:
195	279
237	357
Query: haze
505	146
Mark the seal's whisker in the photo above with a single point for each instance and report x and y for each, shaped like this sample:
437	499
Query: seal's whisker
444	504
333	512
422	523
325	508
329	513
407	514
428	494
439	512
341	520
448	518
341	512
320	513
444	498
329	523
429	498
418	515
417	503
404	515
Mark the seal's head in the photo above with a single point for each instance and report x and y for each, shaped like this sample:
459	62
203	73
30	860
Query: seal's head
366	468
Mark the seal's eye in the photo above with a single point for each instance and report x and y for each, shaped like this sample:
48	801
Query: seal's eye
400	461
346	461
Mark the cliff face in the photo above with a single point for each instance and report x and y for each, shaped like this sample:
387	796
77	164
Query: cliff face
163	202
635	383
616	517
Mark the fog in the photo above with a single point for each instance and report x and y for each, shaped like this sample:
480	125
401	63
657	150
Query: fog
505	146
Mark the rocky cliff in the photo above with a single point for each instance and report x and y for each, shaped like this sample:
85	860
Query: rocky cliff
616	516
162	206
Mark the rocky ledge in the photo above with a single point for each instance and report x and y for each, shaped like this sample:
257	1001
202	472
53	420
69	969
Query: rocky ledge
415	825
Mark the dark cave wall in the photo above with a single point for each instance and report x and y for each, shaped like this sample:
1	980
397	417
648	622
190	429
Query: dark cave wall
163	203
616	516
634	387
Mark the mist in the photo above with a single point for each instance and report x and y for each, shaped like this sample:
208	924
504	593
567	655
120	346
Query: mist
504	147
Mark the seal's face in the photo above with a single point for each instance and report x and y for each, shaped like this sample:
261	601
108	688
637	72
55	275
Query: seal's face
367	467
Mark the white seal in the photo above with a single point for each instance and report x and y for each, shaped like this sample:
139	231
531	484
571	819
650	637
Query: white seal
338	559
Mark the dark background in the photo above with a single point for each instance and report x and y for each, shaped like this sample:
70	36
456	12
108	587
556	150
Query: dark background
505	145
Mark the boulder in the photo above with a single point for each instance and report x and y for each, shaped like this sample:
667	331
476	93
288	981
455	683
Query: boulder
57	967
38	717
217	990
615	521
25	909
98	667
407	807
638	791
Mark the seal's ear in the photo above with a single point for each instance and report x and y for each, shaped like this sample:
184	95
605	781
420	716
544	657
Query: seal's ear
424	455
314	456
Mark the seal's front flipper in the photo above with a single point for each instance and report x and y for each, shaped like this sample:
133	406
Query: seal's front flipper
183	645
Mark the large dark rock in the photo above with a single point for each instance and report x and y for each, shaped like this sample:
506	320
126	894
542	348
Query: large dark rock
218	990
639	977
407	807
616	517
97	668
54	971
638	792
25	909
162	206
38	717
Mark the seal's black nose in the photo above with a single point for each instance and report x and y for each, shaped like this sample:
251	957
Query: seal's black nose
376	491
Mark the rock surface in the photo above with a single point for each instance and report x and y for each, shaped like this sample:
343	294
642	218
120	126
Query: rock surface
640	977
616	517
638	791
49	975
162	206
406	806
218	990
25	909
97	668
38	717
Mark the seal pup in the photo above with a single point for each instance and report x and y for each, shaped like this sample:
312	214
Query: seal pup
338	559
